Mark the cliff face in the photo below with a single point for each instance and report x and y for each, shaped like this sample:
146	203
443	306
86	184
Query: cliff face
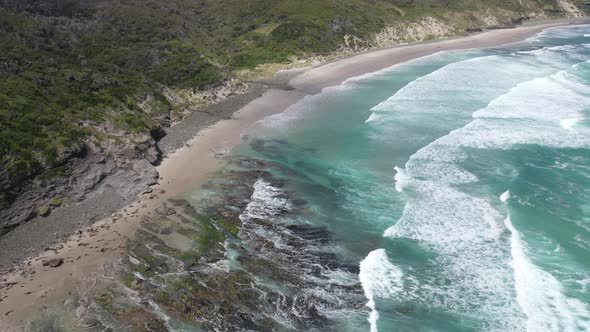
87	88
452	23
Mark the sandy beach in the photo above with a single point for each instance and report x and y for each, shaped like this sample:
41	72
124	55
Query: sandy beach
36	286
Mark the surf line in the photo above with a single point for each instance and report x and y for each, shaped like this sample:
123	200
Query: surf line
538	293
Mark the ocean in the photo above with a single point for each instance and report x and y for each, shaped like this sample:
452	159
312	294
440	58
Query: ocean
448	193
459	183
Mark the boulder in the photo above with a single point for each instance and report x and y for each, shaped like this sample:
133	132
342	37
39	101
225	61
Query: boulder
53	262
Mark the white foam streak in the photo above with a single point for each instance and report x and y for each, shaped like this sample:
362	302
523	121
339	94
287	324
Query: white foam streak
465	230
380	279
527	114
455	75
571	31
540	295
536	100
266	201
374	117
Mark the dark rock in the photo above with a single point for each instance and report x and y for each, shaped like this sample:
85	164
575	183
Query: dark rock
53	262
473	30
150	151
153	155
146	172
157	133
89	177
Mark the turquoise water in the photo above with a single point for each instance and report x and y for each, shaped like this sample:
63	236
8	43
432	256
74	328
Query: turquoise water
459	183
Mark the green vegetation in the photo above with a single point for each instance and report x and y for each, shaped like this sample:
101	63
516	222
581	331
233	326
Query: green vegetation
44	211
55	202
232	227
62	76
68	67
105	300
207	236
128	279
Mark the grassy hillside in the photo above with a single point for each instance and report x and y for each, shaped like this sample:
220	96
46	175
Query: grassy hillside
77	71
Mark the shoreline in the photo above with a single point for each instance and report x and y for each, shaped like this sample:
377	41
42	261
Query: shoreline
334	73
35	286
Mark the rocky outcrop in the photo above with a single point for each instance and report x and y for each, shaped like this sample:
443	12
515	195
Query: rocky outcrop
215	265
53	262
187	100
127	171
406	32
570	8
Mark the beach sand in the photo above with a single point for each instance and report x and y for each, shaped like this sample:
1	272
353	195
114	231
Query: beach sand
34	287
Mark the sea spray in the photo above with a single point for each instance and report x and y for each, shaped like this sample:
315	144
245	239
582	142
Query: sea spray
380	279
505	196
266	201
569	123
401	179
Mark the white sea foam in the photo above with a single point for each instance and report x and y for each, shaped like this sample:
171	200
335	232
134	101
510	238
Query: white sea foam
297	110
465	233
550	99
401	179
502	134
527	114
380	279
540	295
451	94
467	221
436	97
374	117
266	201
571	31
290	114
385	71
569	123
440	161
465	230
505	196
558	57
